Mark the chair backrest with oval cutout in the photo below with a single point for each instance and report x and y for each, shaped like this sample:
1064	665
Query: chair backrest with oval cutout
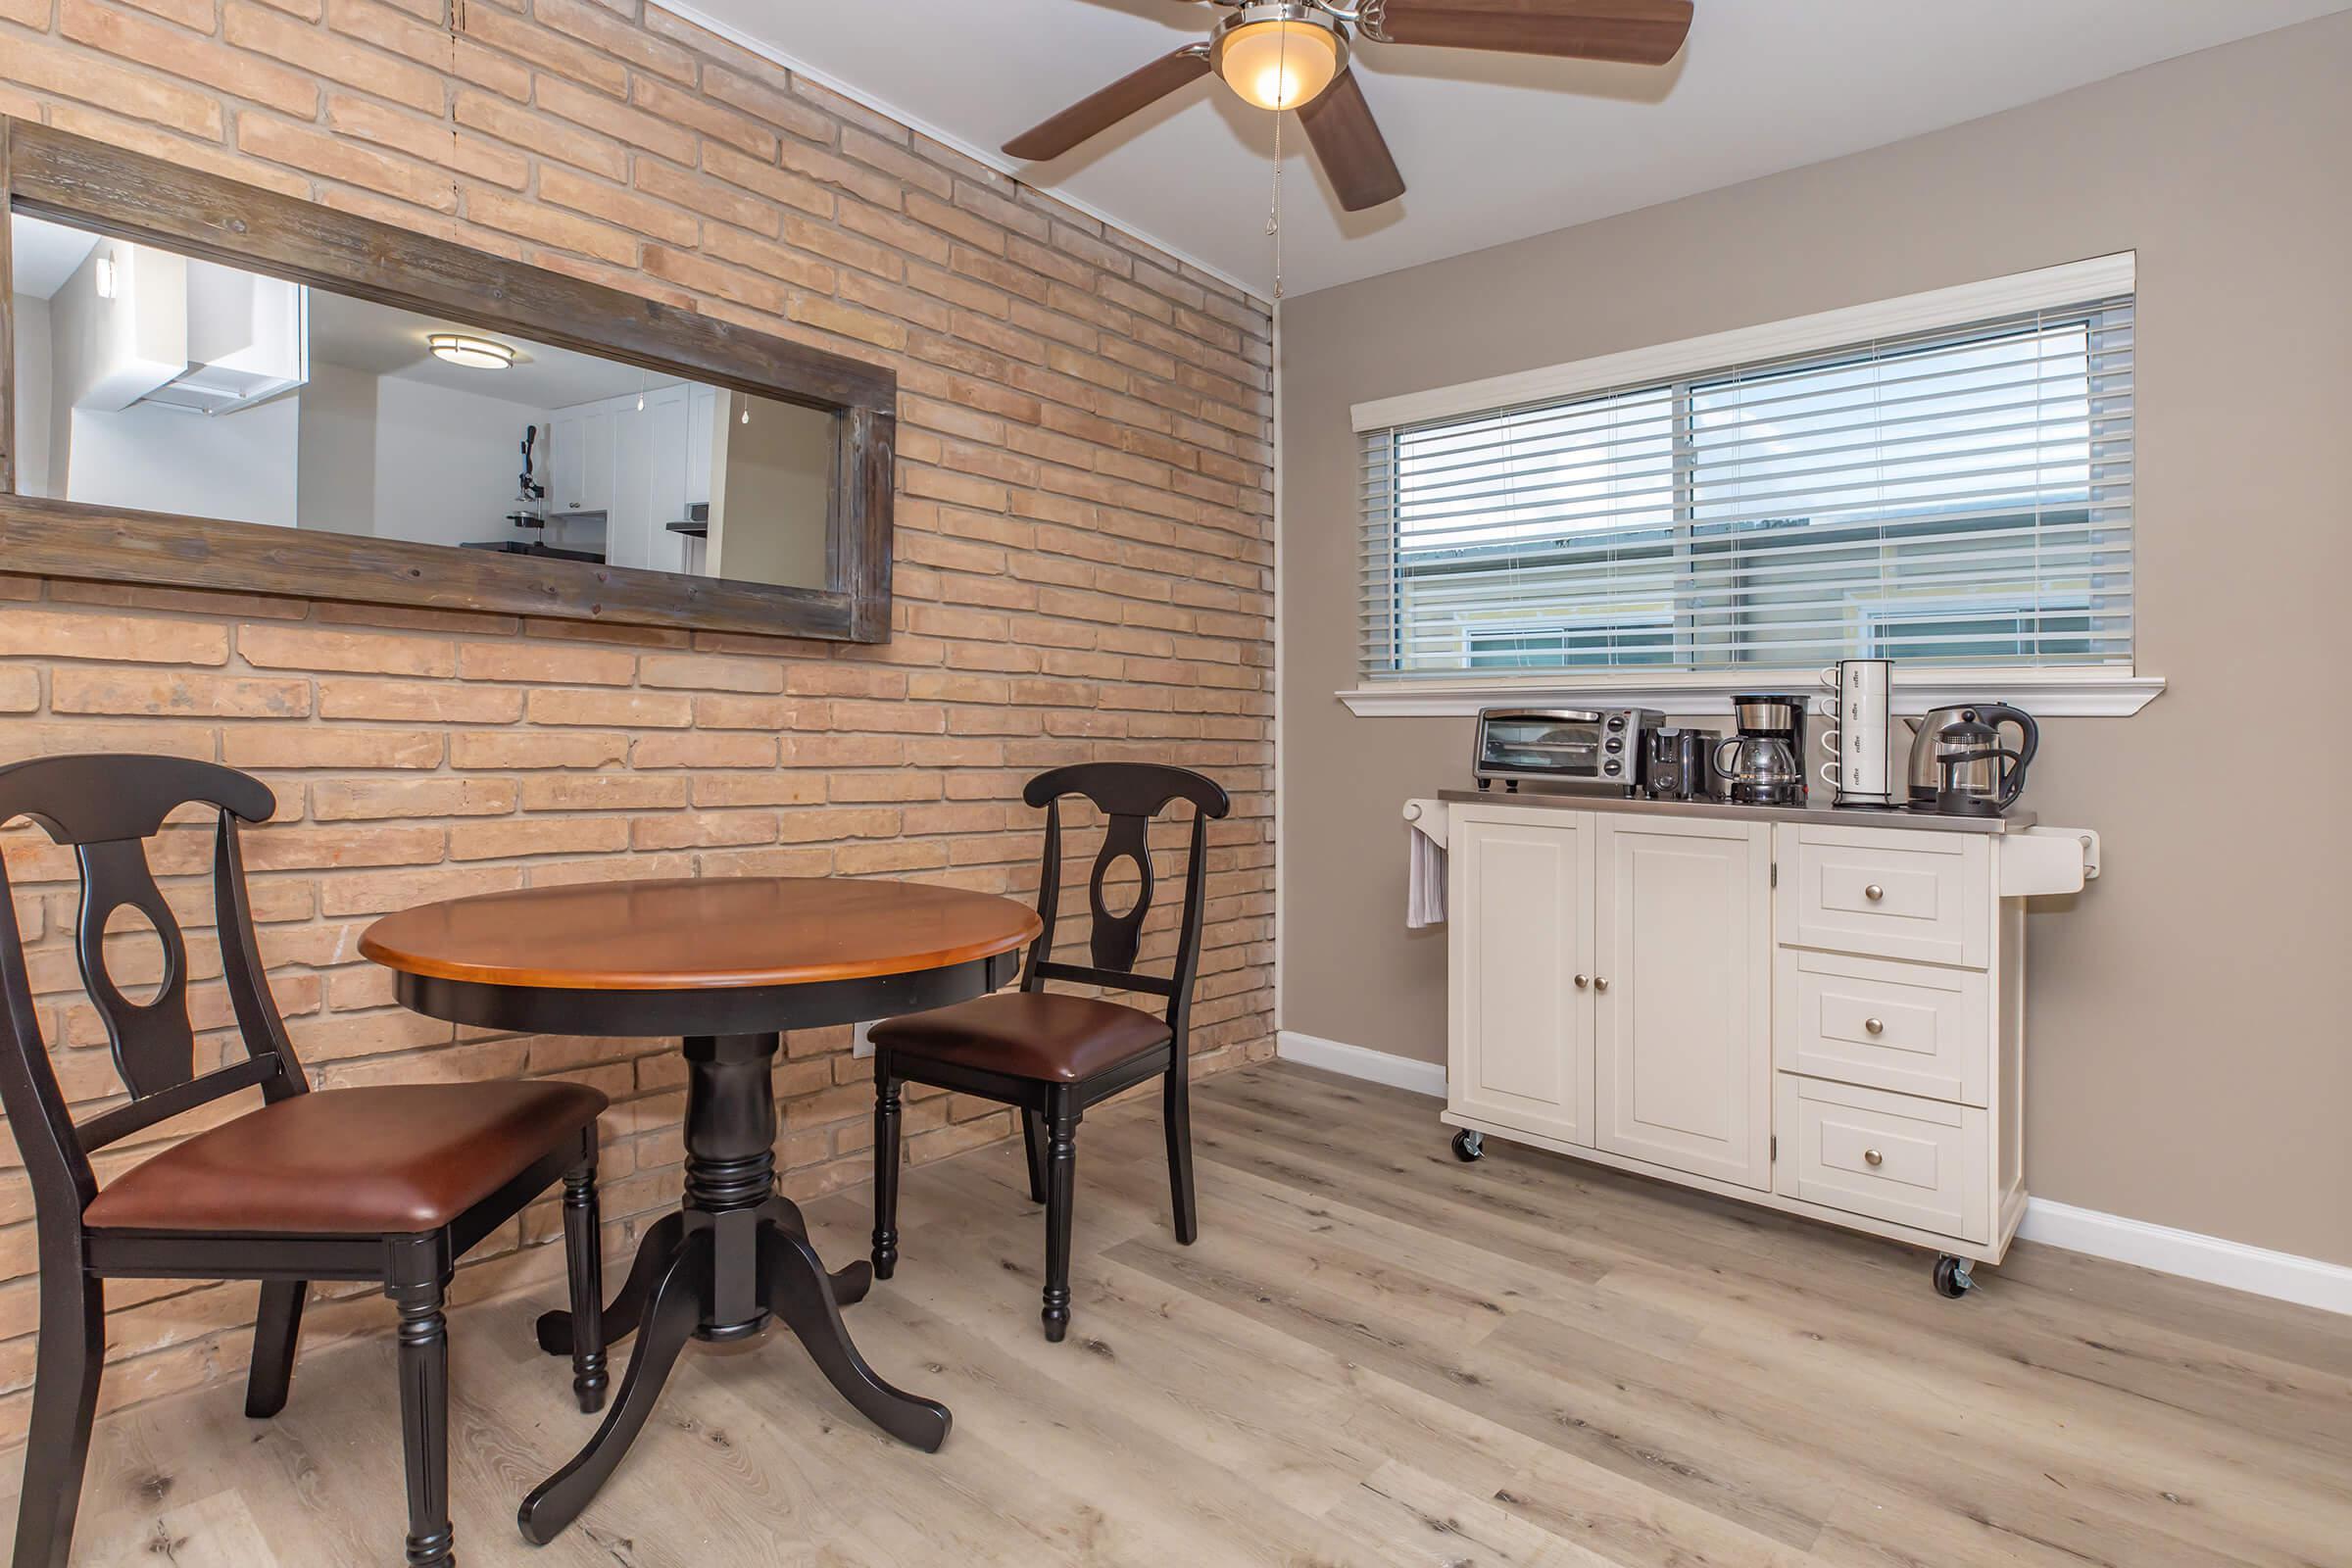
1130	795
106	809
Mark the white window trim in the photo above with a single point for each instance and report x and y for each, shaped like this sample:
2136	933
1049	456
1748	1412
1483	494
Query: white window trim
2057	692
2046	288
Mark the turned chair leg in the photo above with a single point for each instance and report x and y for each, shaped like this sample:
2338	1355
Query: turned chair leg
424	1420
1176	1110
1061	1172
584	1265
885	1170
274	1333
64	1396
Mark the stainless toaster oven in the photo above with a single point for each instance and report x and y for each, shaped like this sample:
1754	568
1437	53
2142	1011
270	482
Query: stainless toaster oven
1581	748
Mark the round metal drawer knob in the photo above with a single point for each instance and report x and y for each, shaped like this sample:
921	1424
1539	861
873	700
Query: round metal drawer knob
1876	1026
1873	892
1871	1156
1583	980
1599	984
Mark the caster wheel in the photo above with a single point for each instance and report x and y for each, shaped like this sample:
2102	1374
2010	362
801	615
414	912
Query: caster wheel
1953	1278
1468	1146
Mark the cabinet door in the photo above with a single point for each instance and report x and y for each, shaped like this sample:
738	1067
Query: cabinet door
566	463
665	462
596	443
701	417
1683	939
629	523
1519	935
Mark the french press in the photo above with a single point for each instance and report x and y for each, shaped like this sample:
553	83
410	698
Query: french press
1975	775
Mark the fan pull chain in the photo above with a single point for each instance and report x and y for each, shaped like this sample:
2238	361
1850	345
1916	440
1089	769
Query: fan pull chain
1282	80
1274	210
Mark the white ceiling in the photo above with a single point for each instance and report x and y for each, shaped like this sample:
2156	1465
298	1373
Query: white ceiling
379	340
376	339
1493	148
43	254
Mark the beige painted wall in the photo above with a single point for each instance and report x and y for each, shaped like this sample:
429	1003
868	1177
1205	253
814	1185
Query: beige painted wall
771	488
2190	1060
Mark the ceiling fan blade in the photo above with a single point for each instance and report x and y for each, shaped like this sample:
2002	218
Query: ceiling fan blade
1348	139
1091	117
1640	32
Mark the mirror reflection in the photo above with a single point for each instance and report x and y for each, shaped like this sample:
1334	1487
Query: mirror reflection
151	381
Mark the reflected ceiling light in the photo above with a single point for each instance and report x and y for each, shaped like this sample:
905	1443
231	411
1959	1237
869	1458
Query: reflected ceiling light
1280	55
473	353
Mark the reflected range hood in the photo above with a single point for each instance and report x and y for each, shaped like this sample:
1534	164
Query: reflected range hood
163	329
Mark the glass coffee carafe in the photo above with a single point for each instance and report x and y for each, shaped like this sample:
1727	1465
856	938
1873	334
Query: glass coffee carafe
1762	769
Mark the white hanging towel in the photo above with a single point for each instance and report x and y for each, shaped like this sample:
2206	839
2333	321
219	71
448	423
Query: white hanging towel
1424	864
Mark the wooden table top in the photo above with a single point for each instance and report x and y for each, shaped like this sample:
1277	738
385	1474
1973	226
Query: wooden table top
715	933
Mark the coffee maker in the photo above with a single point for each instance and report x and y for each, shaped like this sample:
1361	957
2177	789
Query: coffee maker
1764	758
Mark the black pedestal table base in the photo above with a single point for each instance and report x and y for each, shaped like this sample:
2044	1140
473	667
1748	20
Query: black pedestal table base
736	1254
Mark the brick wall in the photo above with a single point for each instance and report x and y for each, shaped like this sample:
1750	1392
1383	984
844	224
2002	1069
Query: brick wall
1083	572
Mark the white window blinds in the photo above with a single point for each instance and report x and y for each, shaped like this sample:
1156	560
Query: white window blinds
1955	494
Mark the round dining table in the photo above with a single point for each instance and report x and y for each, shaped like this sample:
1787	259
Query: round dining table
725	966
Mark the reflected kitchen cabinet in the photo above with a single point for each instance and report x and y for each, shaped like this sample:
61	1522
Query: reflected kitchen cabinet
651	478
580	451
659	436
566	463
701	413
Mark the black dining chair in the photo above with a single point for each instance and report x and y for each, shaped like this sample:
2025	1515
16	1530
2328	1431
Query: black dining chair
1054	1055
390	1185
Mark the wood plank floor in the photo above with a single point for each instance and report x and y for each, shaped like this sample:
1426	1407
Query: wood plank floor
1374	1355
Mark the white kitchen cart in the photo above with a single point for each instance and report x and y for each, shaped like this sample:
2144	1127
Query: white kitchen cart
1820	1011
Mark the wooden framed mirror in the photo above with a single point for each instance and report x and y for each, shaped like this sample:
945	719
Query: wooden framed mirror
206	384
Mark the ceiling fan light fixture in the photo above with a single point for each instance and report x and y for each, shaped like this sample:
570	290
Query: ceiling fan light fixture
1280	55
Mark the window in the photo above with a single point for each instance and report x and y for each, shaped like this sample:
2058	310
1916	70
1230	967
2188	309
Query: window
1976	632
1955	494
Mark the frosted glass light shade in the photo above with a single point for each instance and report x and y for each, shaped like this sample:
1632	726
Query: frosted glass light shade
1279	65
473	353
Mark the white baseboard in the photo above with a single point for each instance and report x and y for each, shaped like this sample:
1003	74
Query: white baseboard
1381	1067
2282	1276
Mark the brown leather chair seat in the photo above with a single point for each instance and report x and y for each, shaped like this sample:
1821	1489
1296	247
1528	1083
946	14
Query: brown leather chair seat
398	1158
1033	1034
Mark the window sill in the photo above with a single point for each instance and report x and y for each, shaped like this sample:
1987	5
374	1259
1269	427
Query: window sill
2044	692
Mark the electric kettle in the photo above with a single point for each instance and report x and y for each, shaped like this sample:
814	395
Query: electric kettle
1990	778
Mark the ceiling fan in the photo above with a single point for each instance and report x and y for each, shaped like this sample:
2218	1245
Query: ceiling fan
1293	54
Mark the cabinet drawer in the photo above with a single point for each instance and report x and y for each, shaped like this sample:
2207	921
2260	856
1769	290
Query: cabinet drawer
1908	1027
1888	892
1917	1162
